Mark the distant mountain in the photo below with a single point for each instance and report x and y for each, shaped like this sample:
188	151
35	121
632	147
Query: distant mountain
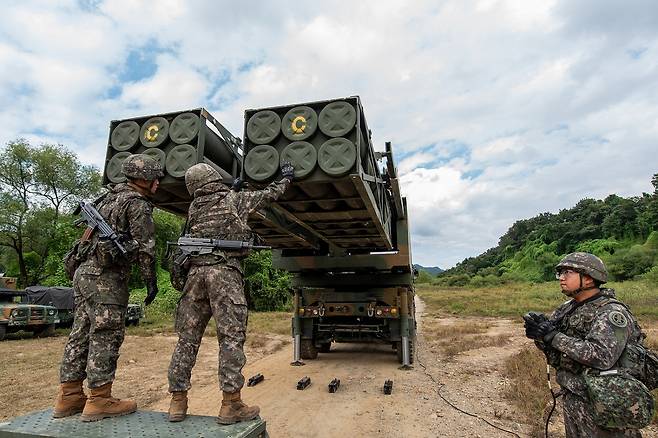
432	270
622	231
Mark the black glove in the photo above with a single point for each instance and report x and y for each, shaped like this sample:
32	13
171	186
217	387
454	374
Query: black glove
151	291
532	321
547	331
287	170
543	331
238	184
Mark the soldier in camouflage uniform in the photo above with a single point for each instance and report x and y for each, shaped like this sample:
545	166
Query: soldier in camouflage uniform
214	287
588	334
100	287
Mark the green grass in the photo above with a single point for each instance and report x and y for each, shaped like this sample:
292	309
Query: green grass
161	323
513	300
526	370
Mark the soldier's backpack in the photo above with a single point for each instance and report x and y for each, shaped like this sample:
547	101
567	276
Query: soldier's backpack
619	400
650	370
640	361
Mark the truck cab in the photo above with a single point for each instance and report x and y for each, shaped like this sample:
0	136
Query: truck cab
15	315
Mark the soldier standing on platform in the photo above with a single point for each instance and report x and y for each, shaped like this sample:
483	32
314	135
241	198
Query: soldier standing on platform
100	285
214	287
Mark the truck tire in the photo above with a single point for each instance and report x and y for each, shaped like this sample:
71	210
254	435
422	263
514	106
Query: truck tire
325	347
45	330
308	349
3	332
398	346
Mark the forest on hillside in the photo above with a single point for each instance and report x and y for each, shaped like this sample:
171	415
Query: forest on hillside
622	231
39	188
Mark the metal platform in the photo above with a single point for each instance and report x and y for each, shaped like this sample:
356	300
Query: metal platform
142	424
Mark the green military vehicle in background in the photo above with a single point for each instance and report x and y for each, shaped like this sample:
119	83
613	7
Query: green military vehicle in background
16	315
61	297
134	313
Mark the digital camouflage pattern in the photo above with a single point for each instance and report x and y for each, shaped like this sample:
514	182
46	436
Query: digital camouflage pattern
139	166
585	263
219	213
199	175
592	334
225	302
100	287
92	349
214	283
579	421
619	401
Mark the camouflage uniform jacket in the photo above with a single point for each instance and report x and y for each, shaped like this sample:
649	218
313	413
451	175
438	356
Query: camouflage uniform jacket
130	215
219	213
592	334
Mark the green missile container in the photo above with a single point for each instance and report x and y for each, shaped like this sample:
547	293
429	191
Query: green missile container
178	140
339	196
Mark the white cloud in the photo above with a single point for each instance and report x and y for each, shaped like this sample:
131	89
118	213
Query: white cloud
499	109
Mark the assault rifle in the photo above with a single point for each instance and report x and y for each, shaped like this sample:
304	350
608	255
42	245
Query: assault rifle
199	246
95	221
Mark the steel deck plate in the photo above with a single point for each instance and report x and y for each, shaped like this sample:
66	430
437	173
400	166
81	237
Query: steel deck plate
142	424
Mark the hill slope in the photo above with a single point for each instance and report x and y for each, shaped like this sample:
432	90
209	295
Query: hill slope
622	231
432	270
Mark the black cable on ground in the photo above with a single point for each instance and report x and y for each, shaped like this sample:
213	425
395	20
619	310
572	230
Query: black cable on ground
554	395
441	385
548	419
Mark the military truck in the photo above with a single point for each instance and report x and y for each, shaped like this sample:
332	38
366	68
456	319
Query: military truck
134	313
341	229
16	316
57	296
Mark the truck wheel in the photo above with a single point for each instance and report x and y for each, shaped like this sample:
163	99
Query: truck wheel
308	349
45	331
325	347
3	332
411	350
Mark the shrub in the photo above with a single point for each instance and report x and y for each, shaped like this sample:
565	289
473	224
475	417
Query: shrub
267	288
630	262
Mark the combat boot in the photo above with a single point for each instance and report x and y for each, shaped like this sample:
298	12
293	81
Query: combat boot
234	411
70	400
101	404
178	406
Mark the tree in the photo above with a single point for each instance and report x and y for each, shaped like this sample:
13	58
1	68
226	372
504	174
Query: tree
61	179
266	288
36	184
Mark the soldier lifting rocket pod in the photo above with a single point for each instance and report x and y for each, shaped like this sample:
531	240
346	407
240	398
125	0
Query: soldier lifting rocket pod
214	286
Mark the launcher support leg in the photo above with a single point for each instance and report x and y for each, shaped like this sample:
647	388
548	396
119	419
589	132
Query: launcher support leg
404	328
297	334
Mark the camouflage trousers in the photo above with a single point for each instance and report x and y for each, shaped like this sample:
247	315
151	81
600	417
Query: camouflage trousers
98	330
217	291
579	422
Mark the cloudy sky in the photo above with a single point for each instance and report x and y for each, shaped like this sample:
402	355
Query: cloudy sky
497	109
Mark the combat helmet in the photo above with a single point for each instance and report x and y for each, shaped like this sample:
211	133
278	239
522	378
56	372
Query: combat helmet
199	175
585	263
140	166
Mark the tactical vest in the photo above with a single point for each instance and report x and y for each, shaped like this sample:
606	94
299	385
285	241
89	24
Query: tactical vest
578	325
105	252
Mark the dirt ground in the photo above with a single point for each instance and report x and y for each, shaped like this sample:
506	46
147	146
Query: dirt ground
470	380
